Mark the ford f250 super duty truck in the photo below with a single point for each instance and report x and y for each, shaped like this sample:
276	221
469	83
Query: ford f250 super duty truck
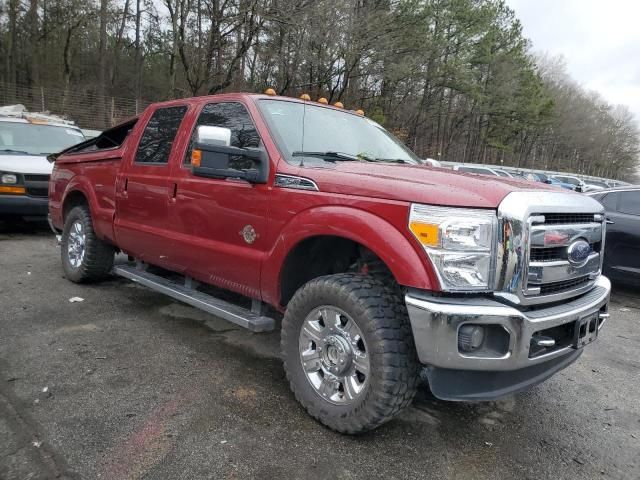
383	268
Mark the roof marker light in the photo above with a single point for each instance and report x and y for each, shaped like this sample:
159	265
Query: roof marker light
323	101
270	91
360	112
338	105
305	96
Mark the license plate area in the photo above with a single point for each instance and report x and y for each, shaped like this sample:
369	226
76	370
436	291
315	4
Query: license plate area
585	330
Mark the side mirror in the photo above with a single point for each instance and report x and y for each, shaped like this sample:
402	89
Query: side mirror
213	157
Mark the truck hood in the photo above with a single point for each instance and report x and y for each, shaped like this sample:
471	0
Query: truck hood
29	164
416	183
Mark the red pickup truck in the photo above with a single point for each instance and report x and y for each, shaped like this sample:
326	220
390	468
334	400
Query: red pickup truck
382	267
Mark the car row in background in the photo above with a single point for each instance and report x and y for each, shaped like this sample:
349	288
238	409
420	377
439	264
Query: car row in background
569	182
622	243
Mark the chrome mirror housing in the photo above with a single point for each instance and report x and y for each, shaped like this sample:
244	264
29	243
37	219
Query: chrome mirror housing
210	135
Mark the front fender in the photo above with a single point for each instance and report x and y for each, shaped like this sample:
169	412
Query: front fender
409	268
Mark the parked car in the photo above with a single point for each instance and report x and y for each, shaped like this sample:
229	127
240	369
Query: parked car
578	185
477	169
25	141
431	162
535	177
381	267
543	178
591	184
503	173
622	244
616	183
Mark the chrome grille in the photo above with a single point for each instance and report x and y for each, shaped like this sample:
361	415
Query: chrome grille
555	273
535	232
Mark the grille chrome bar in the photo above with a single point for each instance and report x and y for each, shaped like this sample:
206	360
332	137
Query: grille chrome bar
564	235
541	273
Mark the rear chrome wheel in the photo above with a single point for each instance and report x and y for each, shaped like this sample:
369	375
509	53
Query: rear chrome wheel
85	258
334	355
76	244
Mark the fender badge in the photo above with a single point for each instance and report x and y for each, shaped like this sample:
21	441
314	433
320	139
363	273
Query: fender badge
249	234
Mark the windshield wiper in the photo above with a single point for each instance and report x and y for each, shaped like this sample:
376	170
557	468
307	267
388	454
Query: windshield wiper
14	151
391	160
333	156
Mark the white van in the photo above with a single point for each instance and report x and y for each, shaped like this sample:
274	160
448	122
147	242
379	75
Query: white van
25	141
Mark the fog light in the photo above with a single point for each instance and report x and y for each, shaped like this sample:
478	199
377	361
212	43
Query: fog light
470	337
9	179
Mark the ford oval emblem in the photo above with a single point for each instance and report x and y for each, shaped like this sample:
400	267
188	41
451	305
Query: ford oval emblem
578	252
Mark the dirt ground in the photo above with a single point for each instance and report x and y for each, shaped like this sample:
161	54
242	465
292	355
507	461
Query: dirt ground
129	384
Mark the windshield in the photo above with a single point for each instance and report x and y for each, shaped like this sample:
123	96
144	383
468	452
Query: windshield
35	139
329	131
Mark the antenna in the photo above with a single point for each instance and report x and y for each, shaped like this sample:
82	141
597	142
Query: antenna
304	115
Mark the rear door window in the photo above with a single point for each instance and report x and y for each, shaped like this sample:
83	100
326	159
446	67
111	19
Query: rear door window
159	134
629	203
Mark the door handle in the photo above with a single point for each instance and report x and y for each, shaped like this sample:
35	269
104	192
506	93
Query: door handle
174	192
125	185
610	222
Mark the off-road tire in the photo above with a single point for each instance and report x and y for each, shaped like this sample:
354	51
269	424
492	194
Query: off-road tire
98	255
382	317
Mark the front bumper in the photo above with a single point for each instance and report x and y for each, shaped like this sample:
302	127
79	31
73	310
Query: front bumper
24	205
512	365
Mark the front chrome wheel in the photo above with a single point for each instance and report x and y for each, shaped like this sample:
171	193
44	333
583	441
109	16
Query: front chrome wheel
334	355
76	244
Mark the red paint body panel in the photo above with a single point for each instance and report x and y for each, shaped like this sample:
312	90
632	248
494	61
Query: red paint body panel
95	179
193	225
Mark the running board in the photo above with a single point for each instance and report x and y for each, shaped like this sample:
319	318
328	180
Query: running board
220	308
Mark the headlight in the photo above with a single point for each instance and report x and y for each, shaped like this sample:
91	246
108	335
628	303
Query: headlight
9	178
459	242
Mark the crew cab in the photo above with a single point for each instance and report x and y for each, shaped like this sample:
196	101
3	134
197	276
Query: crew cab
25	141
375	267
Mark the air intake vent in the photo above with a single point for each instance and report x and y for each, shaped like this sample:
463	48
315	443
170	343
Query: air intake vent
548	254
557	287
567	218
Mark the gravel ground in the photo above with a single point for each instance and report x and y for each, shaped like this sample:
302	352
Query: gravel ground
129	384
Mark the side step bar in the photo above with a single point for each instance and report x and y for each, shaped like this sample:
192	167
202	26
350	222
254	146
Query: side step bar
233	313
